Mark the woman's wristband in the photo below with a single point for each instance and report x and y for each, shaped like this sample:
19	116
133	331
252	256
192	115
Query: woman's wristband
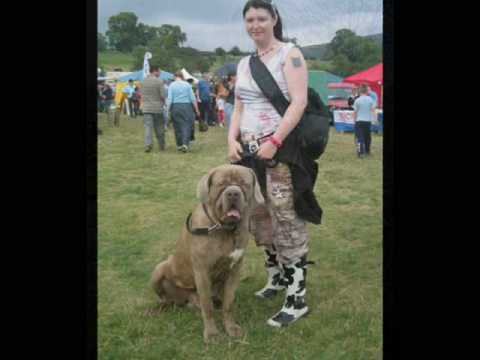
278	144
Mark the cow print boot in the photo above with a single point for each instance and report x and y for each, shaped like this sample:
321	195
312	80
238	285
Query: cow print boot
294	306
275	274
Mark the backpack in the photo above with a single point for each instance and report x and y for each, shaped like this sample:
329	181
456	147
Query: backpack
314	126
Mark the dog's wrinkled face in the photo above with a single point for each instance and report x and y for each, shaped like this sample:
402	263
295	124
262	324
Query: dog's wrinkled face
230	190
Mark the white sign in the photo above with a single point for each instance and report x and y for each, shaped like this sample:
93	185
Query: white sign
346	117
146	65
343	116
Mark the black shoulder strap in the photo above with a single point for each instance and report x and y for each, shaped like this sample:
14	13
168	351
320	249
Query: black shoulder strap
267	84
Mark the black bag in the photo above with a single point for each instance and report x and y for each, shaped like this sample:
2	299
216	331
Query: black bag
313	127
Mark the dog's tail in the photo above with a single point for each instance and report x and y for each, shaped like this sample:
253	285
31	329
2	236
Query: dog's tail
158	275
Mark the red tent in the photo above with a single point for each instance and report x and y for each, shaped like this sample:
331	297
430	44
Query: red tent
372	77
340	85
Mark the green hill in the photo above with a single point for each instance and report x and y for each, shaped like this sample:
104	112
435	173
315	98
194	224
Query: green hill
318	51
111	60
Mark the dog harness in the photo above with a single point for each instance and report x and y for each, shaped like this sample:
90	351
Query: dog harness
210	229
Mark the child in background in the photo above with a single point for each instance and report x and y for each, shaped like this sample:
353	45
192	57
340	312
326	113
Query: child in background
222	94
221	111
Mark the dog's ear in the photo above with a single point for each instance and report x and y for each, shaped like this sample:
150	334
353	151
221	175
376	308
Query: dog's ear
257	193
203	187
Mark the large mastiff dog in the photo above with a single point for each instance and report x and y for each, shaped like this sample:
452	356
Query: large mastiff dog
206	263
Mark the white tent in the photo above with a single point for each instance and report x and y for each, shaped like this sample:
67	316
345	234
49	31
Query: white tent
186	76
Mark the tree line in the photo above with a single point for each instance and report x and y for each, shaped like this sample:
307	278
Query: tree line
346	54
125	34
350	53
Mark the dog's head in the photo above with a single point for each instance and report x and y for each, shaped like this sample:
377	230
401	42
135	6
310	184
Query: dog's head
231	191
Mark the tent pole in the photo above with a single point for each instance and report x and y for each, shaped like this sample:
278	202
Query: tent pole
381	96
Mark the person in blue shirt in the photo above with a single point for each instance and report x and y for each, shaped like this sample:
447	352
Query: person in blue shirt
181	102
373	95
204	91
363	114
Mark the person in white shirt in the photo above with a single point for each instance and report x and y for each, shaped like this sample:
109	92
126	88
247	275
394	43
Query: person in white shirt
261	130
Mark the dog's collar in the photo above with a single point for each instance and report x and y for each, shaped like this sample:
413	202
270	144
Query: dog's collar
208	230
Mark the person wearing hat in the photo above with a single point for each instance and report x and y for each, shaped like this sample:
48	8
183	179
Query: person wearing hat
181	103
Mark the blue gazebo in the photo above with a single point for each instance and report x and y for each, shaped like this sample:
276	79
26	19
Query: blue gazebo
138	76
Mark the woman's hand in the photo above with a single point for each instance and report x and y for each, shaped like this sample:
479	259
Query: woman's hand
234	151
266	151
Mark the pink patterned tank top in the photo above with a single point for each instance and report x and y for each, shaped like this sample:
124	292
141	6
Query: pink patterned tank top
259	117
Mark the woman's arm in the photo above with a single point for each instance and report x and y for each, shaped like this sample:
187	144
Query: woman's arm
296	75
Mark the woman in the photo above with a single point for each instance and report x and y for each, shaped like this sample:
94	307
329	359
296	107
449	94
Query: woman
255	124
181	102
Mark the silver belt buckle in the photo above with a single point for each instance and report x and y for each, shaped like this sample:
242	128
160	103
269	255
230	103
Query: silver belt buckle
253	146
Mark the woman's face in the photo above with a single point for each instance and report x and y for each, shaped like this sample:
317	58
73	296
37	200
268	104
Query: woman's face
259	24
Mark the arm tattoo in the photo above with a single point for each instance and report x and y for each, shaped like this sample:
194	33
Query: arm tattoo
297	62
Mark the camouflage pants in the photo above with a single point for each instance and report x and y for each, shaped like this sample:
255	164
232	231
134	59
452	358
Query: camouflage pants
276	223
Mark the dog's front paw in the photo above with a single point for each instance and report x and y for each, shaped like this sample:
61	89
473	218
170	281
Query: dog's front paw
210	335
233	329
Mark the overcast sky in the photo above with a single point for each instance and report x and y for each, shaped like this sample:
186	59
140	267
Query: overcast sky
218	23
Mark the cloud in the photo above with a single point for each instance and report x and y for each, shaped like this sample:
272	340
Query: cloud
218	23
210	36
323	32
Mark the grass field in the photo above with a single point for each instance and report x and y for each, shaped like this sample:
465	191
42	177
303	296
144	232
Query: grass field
143	200
109	60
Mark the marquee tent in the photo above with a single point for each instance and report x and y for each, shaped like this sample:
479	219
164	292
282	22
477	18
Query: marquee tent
186	76
372	77
319	81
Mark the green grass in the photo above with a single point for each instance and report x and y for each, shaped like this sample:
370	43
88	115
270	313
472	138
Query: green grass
143	200
109	60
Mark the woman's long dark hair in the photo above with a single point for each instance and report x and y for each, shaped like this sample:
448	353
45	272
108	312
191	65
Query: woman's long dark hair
277	29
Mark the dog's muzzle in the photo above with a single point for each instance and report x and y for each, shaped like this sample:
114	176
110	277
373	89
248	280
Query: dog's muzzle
232	203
